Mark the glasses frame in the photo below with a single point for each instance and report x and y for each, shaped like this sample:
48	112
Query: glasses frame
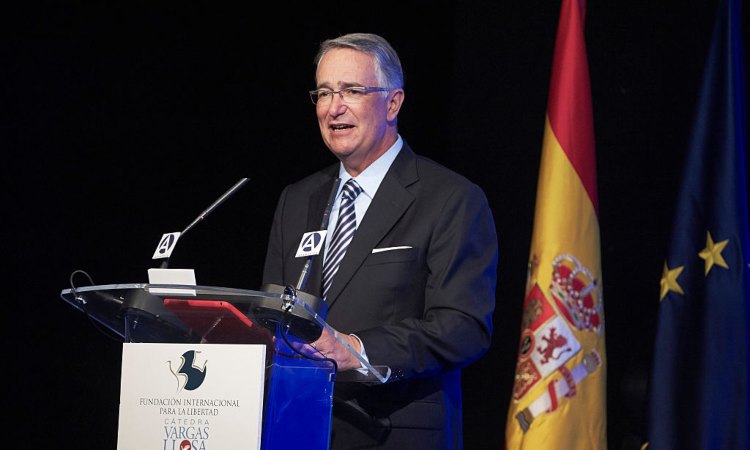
359	89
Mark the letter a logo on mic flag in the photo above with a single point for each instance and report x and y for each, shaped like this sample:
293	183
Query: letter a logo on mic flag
311	243
166	245
559	393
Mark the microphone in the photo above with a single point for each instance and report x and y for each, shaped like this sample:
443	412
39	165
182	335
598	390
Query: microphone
304	325
305	274
169	240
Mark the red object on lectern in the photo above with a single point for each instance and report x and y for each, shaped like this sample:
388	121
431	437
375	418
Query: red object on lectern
218	322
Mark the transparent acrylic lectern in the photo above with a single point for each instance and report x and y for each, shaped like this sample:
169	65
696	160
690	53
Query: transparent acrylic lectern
299	389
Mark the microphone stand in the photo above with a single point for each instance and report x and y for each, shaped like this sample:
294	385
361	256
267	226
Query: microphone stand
208	211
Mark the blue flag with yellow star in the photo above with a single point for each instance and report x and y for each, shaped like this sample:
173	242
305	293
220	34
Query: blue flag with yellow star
700	388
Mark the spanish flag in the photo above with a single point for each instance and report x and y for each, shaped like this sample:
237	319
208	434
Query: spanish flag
559	393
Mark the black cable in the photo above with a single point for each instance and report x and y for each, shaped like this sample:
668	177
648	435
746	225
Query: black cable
72	286
82	303
290	290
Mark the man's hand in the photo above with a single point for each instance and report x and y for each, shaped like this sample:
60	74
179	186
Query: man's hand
330	347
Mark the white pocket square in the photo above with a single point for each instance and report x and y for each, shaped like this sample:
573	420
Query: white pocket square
387	249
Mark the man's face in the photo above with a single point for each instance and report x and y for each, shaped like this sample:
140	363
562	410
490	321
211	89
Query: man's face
356	133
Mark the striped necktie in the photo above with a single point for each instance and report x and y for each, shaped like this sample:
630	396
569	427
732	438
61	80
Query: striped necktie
342	235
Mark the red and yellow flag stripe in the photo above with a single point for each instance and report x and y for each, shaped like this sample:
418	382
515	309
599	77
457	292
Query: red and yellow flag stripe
559	394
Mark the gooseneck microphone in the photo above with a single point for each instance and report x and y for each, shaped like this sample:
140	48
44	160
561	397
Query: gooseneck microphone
305	274
168	241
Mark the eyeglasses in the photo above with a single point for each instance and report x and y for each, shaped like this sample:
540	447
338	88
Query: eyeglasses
353	94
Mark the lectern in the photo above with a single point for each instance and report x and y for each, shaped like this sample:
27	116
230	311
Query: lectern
298	392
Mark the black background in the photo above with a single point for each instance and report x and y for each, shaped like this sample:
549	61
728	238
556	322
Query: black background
121	123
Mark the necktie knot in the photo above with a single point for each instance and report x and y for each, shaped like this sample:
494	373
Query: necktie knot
351	190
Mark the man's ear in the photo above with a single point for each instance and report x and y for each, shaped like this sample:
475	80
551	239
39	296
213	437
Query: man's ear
395	100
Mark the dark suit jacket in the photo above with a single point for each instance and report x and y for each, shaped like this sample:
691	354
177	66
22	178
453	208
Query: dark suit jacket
424	311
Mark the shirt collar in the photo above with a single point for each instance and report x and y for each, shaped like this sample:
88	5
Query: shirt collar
370	178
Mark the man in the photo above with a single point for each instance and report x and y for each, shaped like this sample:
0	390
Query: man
414	289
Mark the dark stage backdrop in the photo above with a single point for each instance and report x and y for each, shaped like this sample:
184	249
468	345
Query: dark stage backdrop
123	123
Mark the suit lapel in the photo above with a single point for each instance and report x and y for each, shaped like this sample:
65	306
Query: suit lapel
318	203
388	205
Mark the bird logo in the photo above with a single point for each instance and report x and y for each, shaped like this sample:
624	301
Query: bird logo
189	373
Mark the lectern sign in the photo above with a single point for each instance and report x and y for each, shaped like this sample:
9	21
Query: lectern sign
191	396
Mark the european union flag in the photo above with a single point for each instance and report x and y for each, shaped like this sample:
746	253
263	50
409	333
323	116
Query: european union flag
699	392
